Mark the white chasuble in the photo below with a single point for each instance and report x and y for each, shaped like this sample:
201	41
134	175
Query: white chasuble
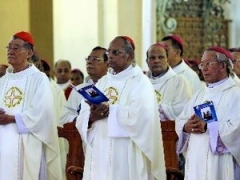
172	91
134	151
203	162
191	76
27	96
59	102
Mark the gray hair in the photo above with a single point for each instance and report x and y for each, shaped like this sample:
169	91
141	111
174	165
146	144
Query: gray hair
128	47
222	58
26	45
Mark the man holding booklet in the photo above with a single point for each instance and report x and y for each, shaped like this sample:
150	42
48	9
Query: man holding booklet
97	65
123	137
208	128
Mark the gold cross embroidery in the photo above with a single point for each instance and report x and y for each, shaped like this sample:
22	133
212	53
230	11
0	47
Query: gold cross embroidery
112	94
13	97
158	96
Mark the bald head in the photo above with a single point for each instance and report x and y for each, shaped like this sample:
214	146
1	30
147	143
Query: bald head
62	71
157	59
120	54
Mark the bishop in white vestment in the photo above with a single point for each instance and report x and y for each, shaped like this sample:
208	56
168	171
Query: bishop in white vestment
127	142
212	147
172	90
175	49
29	148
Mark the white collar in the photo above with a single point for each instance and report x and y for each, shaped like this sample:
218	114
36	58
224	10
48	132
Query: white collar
212	85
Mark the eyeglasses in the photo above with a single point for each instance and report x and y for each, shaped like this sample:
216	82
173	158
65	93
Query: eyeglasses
114	52
94	59
207	64
235	61
14	48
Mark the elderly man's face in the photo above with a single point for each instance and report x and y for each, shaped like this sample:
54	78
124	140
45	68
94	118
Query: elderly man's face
211	69
17	54
157	60
236	62
96	66
118	59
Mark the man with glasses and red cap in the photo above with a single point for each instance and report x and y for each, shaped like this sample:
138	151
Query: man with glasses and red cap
212	143
123	135
174	46
29	146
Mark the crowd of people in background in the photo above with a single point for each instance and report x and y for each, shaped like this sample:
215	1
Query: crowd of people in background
121	138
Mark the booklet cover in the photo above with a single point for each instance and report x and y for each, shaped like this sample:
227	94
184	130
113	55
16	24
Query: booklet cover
92	94
206	112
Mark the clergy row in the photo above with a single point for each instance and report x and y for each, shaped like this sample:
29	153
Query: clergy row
121	137
175	88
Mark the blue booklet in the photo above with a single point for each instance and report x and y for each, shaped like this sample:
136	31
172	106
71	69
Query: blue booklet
92	94
206	112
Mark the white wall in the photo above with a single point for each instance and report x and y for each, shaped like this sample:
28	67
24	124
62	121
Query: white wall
149	28
108	21
232	11
80	25
75	30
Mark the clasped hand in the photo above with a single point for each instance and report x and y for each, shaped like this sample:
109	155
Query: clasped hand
5	119
98	111
194	125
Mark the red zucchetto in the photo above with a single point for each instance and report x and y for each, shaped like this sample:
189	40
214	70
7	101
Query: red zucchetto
161	45
221	50
25	36
129	40
176	38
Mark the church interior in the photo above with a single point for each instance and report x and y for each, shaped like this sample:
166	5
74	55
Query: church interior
62	31
69	29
